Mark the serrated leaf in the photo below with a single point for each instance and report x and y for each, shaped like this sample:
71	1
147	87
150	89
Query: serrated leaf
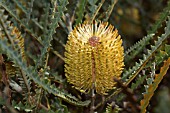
81	10
138	67
152	87
167	49
33	74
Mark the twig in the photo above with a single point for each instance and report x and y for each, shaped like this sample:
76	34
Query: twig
112	6
93	85
97	10
92	100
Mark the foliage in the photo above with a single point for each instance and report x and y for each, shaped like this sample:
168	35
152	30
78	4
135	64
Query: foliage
33	35
153	86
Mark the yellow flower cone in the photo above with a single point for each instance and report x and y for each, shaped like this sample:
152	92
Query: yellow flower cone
94	55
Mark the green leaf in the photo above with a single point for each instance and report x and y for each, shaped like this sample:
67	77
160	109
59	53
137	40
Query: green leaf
152	87
33	74
81	10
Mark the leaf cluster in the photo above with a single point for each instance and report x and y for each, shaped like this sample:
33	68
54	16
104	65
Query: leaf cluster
32	43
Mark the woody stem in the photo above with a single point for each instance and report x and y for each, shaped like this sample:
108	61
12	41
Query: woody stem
93	85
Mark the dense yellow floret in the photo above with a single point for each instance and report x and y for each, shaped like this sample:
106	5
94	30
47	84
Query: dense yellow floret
94	55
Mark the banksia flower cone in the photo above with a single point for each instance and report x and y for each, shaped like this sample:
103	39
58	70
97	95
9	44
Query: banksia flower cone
93	57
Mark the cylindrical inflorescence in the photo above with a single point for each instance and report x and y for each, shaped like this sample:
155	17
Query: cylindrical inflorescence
94	55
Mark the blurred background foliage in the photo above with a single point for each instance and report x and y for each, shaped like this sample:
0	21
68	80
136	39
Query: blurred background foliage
132	18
